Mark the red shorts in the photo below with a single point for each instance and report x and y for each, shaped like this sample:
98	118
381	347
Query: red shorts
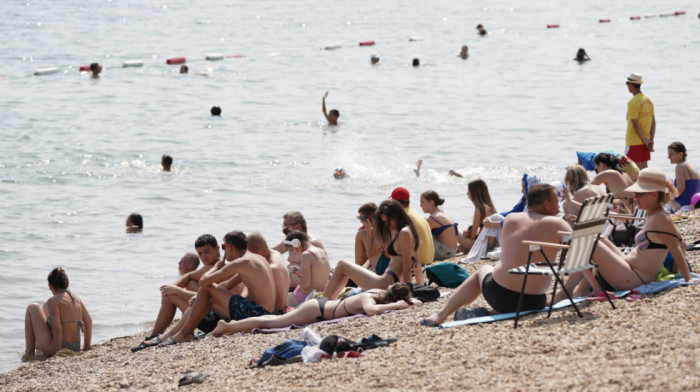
638	153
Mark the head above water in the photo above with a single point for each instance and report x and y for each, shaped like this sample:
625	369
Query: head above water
166	161
134	220
58	279
215	111
416	62
184	69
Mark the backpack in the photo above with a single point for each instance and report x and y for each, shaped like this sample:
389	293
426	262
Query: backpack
446	274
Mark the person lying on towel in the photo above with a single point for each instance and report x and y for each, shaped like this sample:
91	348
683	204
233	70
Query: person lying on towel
501	289
373	302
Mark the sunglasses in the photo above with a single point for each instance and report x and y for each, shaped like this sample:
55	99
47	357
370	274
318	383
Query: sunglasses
362	218
226	245
640	194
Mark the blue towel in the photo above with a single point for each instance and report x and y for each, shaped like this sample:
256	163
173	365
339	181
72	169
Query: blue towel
655	287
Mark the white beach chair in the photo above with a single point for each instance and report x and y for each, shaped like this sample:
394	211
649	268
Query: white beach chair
576	252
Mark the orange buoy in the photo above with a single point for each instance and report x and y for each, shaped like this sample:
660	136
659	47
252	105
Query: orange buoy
635	17
552	26
679	13
606	20
84	68
367	43
176	60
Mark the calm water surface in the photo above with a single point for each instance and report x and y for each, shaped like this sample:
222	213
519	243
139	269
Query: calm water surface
78	155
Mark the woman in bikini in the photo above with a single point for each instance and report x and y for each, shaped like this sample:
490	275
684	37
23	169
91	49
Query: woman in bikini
371	303
478	193
313	268
442	226
657	237
687	180
58	323
395	230
578	189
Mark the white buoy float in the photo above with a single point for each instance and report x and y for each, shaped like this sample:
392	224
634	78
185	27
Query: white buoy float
46	71
132	63
214	56
332	46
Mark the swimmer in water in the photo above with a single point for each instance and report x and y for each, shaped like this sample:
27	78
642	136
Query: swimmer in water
340	173
374	59
464	54
134	223
184	69
482	30
215	111
331	116
582	56
166	161
416	62
96	69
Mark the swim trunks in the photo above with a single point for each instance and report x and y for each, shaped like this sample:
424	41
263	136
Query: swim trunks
240	308
503	300
442	250
209	322
638	153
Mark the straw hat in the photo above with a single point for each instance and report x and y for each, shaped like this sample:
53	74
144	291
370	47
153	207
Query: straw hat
634	78
650	179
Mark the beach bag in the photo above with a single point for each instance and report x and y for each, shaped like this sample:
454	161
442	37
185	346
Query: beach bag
424	293
446	274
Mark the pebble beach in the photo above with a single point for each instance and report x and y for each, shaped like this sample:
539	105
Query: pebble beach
650	344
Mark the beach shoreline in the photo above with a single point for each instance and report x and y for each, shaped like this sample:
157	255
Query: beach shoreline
649	344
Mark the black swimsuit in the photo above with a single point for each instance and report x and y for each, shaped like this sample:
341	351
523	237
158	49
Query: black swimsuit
322	306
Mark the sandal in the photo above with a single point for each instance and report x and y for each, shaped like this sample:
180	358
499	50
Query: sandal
634	295
192	377
168	342
146	344
428	323
601	297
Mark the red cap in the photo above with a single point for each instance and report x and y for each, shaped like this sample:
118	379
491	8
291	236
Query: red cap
400	194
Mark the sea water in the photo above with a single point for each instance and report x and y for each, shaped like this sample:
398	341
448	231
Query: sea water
79	154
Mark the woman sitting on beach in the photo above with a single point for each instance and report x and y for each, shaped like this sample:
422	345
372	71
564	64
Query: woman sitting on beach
397	296
657	237
577	183
368	250
58	323
399	237
478	193
687	180
313	270
442	226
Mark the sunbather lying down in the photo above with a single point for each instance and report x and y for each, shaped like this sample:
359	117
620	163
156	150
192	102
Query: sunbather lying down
373	302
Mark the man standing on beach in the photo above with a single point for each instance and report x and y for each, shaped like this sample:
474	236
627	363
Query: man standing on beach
244	267
257	245
500	289
178	294
641	123
294	220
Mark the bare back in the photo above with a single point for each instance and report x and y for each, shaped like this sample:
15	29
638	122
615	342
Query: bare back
314	261
615	181
281	277
256	274
69	313
531	226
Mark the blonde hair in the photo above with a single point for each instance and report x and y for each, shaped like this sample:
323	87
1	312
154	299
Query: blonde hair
576	178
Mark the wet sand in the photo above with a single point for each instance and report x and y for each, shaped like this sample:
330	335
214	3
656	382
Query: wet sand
649	344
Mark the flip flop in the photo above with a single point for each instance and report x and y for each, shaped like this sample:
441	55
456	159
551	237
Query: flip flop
146	344
634	295
601	297
168	342
192	377
428	323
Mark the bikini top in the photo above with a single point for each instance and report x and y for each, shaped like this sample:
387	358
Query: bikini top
342	301
643	242
438	230
390	249
79	322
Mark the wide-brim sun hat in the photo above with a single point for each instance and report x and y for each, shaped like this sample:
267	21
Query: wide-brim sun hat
650	179
634	78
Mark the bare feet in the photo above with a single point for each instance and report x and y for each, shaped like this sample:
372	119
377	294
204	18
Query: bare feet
220	329
417	169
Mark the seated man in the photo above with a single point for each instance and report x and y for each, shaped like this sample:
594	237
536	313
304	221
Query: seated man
257	245
501	289
244	267
178	294
188	263
294	220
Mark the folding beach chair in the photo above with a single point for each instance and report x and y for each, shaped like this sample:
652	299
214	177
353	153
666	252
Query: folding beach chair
576	252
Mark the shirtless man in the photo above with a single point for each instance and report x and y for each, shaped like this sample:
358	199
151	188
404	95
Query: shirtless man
177	295
244	267
188	263
294	220
501	289
331	116
257	245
